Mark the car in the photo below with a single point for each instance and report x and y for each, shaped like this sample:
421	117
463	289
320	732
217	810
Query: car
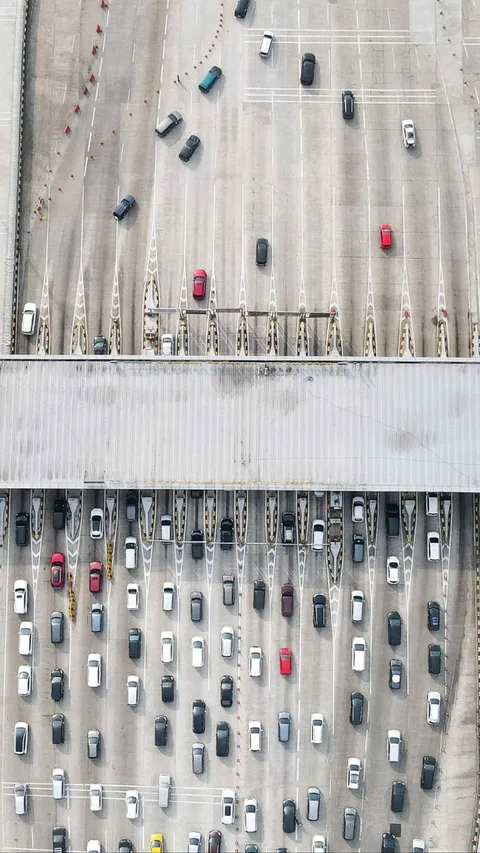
96	523
354	769
123	207
359	654
252	848
228	590
318	534
194	842
385	237
226	534
20	597
189	148
20	739
160	730
96	617
392	517
167	124
227	641
397	796
394	628
166	641
222	739
57	570
29	318
434	659
168	688
22	525
283	726
131	804
100	345
196	606
59	839
94	670
57	624
261	252
349	823
57	684
287	599
434	707
313	803
24	680
250	814
134	643
319	844
96	798
317	723
198	758
266	46
429	765
199	284
210	79
348	104
131	507
259	591
319	603
395	674
198	716
393	571
214	841
408	133
433	616
241	8
255	735
168	344
433	546
418	845
198	651
289	815
133	596
125	846
156	843
285	659
357	701
197	546
255	657
288	528
226	691
228	806
431	503
358	548
60	508
133	689
358	509
58	728
164	787
94	846
25	638
168	593
307	70
388	842
95	580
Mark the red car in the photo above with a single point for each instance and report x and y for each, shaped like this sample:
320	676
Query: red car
96	577
199	284
57	570
285	662
385	237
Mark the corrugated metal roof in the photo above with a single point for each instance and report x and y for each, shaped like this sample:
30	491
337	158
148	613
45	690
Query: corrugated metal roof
383	425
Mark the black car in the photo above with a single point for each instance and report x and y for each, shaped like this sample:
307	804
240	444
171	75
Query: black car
189	148
196	606
429	766
226	691
348	104
57	621
93	744
226	534
198	717
261	252
392	520
397	796
356	708
214	841
58	728
319	610
433	616
251	848
289	815
59	513
124	206
394	628
22	523
168	688
222	739
434	659
161	729
100	345
308	69
395	674
388	842
134	643
259	588
131	506
241	8
197	545
59	839
57	680
358	548
125	846
96	617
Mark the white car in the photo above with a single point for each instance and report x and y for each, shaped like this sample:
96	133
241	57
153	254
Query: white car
94	846
319	844
94	670
227	638
354	768
168	592
358	509
167	344
96	523
408	133
266	45
24	680
359	654
29	318
198	651
250	813
393	571
133	596
166	639
317	723
194	842
131	804
255	656
133	689
228	806
25	638
434	707
20	597
96	798
318	535
418	845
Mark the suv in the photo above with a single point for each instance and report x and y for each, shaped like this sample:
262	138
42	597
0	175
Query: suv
161	729
307	72
356	708
198	717
428	772
189	148
226	691
397	796
434	659
197	546
167	124
289	815
259	588
96	617
196	606
392	520
241	8
100	345
228	590
57	680
57	621
131	506
319	610
433	616
348	104
283	724
58	728
93	743
394	628
261	252
123	207
388	842
20	740
228	806
288	528
287	599
134	643
22	522
222	739
226	534
59	513
168	688
59	839
358	548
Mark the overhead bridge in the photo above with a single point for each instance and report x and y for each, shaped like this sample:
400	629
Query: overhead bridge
254	423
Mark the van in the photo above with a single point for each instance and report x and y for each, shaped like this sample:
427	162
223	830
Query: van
228	589
357	600
313	804
255	735
266	45
58	784
210	79
431	503
133	688
259	588
131	552
433	546
21	798
164	783
241	8
394	746
166	528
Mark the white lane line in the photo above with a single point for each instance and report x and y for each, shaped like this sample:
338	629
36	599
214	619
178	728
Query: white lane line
416	56
166	26
389	21
133	52
73	44
104	41
476	94
121	151
64	93
128	100
393	57
93	117
97	89
100	67
85	167
108	16
465	49
164	47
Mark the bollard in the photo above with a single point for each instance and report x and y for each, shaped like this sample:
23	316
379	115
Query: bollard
99	29
91	78
67	129
94	49
76	108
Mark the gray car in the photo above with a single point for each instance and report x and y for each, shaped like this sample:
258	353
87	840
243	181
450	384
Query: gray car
93	743
56	626
349	823
284	726
198	758
96	617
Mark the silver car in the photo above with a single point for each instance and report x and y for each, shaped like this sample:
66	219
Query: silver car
198	758
284	721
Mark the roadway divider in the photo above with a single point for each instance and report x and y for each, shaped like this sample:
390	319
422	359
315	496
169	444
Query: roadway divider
109	559
71	598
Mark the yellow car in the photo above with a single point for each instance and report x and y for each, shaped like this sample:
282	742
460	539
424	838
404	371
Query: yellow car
156	843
